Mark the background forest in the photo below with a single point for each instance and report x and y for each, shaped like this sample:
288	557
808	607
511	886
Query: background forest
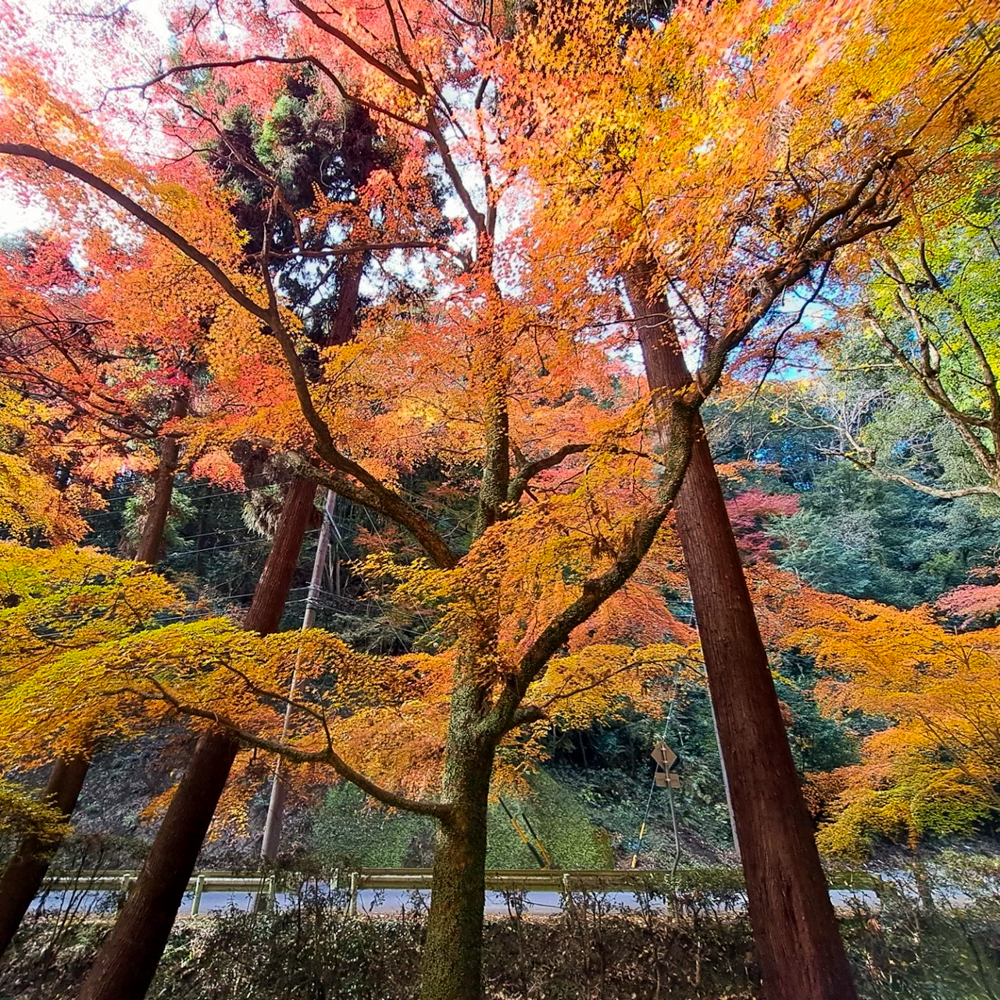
413	414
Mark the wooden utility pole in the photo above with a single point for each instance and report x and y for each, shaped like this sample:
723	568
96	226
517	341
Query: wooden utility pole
279	789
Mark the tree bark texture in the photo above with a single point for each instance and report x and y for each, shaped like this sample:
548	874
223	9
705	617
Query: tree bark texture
271	592
127	960
451	965
25	872
341	329
151	539
799	947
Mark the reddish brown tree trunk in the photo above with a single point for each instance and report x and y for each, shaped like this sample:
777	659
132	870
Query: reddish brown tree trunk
799	947
341	330
151	539
127	960
25	872
271	592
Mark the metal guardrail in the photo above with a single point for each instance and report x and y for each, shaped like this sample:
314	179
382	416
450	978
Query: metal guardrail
269	884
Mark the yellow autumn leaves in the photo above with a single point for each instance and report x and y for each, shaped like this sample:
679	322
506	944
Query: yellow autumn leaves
932	764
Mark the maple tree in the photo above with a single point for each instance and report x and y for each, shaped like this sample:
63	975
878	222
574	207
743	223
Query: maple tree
31	503
191	810
110	353
103	396
495	655
933	770
508	376
122	392
794	136
56	601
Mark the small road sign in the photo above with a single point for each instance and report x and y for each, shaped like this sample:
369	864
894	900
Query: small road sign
664	756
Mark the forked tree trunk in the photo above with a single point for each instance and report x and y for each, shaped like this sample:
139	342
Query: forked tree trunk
451	965
127	960
799	947
25	872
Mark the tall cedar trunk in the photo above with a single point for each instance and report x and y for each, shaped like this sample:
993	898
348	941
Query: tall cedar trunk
22	879
151	539
799	947
452	960
271	592
127	960
23	876
341	329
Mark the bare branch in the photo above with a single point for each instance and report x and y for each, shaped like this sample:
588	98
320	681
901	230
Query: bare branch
931	491
382	500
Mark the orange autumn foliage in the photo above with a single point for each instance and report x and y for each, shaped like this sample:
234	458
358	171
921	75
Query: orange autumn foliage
735	151
934	767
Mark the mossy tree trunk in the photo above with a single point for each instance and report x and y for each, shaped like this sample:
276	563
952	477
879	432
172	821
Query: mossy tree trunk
451	968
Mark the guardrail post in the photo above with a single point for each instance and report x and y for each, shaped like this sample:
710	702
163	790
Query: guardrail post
566	891
199	886
126	881
352	906
270	893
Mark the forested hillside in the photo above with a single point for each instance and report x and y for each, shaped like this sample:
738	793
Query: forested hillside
417	417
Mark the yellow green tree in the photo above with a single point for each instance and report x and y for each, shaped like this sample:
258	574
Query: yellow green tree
53	603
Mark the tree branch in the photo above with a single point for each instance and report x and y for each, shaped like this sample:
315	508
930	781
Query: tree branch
531	469
931	491
328	755
146	218
598	589
308	60
384	501
415	87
